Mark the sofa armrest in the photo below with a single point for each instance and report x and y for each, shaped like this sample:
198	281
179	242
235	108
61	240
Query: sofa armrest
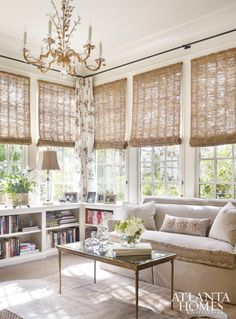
111	224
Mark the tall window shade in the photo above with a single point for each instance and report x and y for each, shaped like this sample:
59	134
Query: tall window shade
156	107
57	115
110	107
14	109
213	117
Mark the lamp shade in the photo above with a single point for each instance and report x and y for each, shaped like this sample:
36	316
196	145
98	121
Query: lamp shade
48	161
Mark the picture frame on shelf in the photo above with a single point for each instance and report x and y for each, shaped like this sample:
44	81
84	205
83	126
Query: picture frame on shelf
110	198
100	198
91	197
70	197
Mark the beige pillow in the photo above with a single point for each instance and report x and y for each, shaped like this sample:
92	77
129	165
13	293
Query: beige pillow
224	225
184	225
146	212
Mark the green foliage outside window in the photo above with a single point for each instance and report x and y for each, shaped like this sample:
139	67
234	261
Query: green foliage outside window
160	171
217	168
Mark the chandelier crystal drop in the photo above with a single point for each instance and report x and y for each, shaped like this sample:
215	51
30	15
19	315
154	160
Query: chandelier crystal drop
56	49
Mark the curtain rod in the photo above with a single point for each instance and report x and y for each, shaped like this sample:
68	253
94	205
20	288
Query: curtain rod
183	46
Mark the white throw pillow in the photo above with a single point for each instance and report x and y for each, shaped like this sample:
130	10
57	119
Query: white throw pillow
146	212
224	225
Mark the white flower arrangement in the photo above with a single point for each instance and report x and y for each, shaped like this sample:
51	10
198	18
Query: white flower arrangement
131	228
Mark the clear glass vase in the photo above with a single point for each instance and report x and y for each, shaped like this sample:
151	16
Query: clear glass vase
129	241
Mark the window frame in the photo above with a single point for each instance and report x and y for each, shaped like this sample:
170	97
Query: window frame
126	162
215	182
25	159
181	171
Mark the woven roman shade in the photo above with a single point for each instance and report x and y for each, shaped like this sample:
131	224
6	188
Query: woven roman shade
213	115
57	115
156	107
14	109
110	107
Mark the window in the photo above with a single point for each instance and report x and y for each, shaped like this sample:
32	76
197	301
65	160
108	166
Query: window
64	180
217	167
111	168
12	158
160	171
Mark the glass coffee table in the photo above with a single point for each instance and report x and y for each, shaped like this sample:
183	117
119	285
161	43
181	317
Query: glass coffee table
134	263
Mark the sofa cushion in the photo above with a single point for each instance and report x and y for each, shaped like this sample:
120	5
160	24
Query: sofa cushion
190	211
146	212
185	225
224	226
195	249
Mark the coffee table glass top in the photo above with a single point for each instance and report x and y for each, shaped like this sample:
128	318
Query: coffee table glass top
137	260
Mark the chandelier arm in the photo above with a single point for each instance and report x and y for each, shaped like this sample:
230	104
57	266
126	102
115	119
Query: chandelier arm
72	53
93	67
30	59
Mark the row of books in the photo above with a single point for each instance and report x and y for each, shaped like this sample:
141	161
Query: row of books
62	237
9	247
54	219
12	247
9	224
95	217
28	248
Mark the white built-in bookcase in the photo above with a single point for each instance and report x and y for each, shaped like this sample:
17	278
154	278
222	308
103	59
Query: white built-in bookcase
37	216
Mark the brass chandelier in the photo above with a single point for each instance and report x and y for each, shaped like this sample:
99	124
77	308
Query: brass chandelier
57	49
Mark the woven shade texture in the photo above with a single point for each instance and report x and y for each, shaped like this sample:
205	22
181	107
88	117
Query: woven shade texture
110	107
57	115
14	109
213	114
156	107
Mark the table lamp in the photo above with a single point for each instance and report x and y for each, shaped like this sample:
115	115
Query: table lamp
48	161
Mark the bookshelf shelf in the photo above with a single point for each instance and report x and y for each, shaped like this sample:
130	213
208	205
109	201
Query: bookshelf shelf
20	233
22	258
62	226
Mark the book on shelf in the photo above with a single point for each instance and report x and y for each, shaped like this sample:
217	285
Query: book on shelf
9	224
142	249
95	216
9	247
64	217
29	228
62	237
28	248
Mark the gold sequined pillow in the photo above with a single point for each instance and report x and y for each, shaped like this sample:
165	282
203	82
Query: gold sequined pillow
184	225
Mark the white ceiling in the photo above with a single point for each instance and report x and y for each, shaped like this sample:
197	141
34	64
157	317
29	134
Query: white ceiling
129	29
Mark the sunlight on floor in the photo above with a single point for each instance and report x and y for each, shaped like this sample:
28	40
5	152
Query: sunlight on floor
88	270
12	294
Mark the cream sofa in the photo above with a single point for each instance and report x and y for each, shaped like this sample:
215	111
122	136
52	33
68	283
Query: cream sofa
203	264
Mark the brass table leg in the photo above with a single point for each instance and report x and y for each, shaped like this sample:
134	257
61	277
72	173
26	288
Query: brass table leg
59	262
152	276
94	277
136	291
172	284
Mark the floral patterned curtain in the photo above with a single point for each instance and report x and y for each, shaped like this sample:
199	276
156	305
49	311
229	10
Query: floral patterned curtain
84	143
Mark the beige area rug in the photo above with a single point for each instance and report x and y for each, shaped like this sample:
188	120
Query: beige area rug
111	298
